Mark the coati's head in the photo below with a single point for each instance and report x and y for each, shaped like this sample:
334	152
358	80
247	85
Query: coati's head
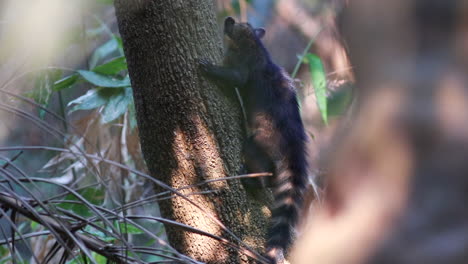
242	35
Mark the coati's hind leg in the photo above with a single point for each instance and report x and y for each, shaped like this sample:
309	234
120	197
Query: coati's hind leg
256	160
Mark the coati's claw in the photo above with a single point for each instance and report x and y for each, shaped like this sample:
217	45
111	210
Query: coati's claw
273	116
203	61
204	64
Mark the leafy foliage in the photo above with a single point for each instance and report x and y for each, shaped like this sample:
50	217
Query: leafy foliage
317	75
65	82
44	87
79	196
110	84
329	102
339	100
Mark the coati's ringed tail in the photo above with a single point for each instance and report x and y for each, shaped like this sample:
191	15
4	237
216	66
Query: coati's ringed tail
277	137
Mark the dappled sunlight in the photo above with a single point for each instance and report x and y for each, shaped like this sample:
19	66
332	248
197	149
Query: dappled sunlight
197	147
193	153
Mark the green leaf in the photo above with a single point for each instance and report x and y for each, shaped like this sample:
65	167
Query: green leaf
99	259
101	80
161	229
103	51
117	105
339	100
132	115
107	2
77	208
128	228
157	259
120	44
302	57
99	234
112	67
94	32
318	77
92	99
43	85
34	225
92	195
65	82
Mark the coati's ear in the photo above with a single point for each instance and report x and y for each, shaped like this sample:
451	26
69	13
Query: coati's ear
229	25
259	32
229	21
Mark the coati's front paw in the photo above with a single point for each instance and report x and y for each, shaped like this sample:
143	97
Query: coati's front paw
205	65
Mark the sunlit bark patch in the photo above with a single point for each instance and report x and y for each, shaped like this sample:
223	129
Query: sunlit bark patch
198	159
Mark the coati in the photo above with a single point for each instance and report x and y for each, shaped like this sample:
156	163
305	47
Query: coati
277	137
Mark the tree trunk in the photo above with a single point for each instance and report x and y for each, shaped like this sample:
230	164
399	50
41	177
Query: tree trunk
189	131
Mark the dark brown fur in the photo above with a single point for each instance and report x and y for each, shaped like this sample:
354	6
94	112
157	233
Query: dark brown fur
277	140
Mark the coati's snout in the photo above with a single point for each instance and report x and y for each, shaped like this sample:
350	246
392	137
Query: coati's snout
271	115
229	26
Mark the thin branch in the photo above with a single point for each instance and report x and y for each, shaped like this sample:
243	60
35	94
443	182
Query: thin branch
254	253
95	244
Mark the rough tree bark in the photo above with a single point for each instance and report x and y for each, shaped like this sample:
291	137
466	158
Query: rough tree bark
189	131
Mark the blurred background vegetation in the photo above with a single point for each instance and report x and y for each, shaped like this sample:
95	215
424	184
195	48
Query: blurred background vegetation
68	130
